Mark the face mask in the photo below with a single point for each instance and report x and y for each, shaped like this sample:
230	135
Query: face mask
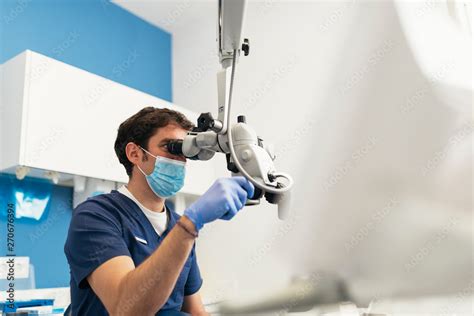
168	176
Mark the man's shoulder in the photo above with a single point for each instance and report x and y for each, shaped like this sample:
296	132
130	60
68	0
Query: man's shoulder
104	203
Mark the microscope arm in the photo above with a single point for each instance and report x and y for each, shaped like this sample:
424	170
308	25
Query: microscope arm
245	152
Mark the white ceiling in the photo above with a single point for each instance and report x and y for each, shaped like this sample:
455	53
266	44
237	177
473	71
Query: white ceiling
171	15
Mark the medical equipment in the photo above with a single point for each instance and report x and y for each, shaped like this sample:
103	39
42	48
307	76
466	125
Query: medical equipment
246	153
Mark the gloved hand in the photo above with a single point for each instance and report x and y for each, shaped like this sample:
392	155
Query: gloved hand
222	200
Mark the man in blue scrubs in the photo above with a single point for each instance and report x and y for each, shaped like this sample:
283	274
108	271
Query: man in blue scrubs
128	252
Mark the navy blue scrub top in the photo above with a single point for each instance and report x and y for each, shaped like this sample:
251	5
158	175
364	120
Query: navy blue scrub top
111	225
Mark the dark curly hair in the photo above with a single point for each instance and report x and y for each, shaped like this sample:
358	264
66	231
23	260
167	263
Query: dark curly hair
143	125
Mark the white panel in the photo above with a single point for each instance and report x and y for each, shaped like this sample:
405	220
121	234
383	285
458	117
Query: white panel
73	118
11	105
70	120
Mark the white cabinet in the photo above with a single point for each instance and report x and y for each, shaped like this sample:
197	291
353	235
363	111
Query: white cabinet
56	117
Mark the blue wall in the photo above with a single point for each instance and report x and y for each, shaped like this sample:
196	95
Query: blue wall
97	36
94	35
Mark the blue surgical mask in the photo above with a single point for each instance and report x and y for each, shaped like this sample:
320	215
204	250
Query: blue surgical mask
167	177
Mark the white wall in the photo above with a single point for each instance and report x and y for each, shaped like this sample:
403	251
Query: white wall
335	87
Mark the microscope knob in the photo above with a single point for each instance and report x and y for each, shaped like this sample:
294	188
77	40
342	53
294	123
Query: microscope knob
205	122
246	47
246	155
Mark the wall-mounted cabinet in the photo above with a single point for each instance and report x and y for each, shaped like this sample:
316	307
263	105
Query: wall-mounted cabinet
59	119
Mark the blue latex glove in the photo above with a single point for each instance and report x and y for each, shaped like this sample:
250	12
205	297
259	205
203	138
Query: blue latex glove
222	200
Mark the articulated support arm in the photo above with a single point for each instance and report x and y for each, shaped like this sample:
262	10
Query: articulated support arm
245	151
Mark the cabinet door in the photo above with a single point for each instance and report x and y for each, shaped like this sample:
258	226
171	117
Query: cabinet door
71	119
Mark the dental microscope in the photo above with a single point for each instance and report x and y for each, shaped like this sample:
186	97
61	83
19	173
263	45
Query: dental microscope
246	153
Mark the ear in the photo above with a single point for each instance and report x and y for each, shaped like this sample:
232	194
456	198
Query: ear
134	153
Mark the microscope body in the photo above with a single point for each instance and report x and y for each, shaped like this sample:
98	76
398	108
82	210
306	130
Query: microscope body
256	158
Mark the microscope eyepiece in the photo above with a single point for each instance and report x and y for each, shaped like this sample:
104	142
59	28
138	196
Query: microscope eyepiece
175	147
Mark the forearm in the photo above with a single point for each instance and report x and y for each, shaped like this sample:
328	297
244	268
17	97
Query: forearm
146	289
193	305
